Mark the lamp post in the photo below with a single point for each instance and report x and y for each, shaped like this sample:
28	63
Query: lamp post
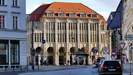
32	47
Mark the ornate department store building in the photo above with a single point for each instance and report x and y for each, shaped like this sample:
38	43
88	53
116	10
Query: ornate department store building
71	30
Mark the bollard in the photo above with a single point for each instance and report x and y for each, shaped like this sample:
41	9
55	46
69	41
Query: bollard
5	68
27	68
38	67
20	67
13	68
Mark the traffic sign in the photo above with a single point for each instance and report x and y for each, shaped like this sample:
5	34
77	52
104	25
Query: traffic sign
105	50
43	41
113	50
95	50
122	45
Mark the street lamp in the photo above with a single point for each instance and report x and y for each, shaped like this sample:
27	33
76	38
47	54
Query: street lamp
32	47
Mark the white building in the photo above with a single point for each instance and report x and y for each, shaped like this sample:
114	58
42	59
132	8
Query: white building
12	32
67	27
128	25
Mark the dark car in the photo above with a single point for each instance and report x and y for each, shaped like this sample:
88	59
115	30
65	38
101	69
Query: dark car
110	67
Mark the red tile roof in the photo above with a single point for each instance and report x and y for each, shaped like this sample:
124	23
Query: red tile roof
64	7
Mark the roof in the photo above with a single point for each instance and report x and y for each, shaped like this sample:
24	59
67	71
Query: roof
64	7
114	20
80	53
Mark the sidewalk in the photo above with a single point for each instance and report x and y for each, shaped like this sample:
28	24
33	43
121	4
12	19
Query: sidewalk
126	68
45	68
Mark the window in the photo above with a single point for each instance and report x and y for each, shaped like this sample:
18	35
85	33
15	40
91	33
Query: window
50	14
83	15
4	52
15	22
2	21
60	14
15	3
14	52
72	15
102	27
2	2
93	15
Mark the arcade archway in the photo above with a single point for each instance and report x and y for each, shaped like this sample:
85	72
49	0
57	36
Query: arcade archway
72	60
50	58
62	55
38	55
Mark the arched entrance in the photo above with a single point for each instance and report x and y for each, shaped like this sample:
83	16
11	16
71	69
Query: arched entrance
50	58
38	56
84	49
62	55
72	60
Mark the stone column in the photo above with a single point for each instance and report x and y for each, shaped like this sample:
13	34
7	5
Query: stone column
89	44
56	43
67	40
99	33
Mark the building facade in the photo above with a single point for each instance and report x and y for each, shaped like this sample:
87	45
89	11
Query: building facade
128	25
115	27
67	28
13	32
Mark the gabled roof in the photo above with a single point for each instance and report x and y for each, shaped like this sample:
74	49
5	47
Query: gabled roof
38	13
114	20
64	7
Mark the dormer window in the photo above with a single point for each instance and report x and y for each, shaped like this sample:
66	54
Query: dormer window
72	15
82	15
60	14
93	15
50	14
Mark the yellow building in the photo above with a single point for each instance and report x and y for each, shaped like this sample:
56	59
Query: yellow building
66	27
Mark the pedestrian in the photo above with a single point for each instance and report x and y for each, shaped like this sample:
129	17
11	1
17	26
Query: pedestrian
68	62
127	60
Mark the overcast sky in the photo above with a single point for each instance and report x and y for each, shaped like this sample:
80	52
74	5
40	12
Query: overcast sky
103	7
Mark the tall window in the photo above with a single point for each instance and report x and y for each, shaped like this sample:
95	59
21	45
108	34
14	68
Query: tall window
4	52
14	52
15	3
2	21
2	2
15	22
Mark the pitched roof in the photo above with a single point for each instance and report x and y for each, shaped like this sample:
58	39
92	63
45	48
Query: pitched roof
64	7
69	7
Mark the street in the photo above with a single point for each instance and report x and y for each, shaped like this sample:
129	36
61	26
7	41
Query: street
87	70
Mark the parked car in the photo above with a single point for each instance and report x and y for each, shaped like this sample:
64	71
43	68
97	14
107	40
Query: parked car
110	67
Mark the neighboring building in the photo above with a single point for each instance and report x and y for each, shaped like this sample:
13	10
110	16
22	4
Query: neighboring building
12	32
128	24
67	28
114	25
